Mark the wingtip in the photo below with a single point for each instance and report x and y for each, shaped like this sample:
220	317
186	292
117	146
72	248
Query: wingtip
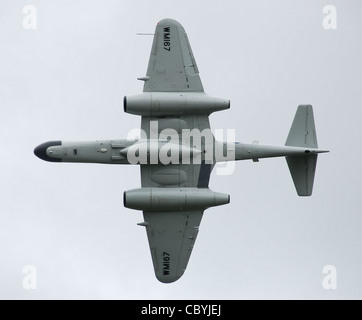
168	21
169	278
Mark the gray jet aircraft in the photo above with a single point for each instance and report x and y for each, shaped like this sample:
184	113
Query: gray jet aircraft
177	151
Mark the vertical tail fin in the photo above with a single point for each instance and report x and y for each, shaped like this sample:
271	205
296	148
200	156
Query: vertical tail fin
303	134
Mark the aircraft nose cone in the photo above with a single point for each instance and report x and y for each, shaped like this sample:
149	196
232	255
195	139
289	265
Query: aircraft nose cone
41	151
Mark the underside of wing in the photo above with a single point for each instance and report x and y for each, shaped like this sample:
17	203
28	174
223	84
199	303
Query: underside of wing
171	237
172	233
172	66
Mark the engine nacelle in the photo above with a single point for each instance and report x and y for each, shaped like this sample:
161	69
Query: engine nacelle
173	199
173	104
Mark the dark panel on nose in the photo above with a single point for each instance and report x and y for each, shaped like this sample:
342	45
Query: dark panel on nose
41	151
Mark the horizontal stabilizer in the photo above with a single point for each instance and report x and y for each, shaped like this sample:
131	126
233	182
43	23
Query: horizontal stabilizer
303	134
302	170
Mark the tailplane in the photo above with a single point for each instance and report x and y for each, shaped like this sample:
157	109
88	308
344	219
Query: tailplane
303	134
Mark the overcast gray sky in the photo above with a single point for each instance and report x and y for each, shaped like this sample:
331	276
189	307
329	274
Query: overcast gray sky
66	80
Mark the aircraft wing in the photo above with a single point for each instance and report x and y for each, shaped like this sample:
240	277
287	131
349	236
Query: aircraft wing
172	67
171	238
171	235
